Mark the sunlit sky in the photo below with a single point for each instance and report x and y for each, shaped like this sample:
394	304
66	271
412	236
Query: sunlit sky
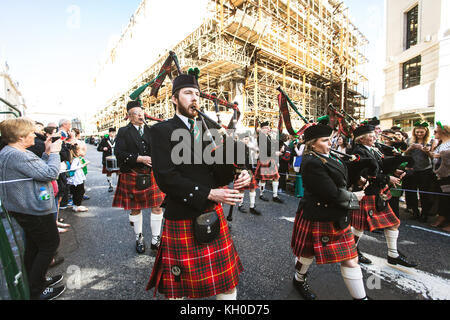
53	47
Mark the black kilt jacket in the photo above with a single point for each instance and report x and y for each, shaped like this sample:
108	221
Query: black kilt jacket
322	182
186	185
382	179
104	144
130	145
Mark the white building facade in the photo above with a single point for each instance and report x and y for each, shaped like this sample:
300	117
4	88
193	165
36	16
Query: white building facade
417	63
9	92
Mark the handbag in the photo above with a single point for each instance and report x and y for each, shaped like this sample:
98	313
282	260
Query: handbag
347	200
297	163
206	227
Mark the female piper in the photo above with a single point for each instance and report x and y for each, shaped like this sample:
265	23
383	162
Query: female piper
321	228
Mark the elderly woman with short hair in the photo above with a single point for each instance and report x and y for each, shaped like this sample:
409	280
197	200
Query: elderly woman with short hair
25	177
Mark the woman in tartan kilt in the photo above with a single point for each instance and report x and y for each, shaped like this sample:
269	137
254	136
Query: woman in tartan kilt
375	211
321	227
185	266
137	188
266	169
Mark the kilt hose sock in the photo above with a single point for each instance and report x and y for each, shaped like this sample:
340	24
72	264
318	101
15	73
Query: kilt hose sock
155	225
391	240
252	198
227	296
353	279
136	223
262	186
275	185
301	268
357	235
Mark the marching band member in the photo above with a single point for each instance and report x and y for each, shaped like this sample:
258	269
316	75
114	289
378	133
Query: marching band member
321	227
375	211
266	169
137	188
185	265
106	146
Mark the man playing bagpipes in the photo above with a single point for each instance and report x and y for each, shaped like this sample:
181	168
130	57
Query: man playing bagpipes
137	188
375	211
197	257
106	147
267	169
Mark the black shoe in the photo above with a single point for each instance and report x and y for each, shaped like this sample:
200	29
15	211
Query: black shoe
140	244
362	258
242	209
415	215
52	293
401	260
52	281
255	212
156	246
278	200
110	189
263	198
378	231
366	298
304	289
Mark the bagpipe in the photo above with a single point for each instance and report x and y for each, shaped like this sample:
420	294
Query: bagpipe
224	174
344	120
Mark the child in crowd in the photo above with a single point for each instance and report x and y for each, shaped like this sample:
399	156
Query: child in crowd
76	178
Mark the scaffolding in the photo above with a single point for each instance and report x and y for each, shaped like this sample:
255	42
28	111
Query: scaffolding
248	48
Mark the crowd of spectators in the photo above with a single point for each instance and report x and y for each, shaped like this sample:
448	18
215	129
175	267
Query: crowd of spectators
43	171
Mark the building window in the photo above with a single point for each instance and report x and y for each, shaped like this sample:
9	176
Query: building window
411	72
412	26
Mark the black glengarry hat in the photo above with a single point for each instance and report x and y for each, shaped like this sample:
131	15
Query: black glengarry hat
189	80
363	129
133	104
374	121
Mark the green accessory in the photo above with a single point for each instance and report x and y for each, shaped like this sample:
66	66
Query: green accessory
324	120
403	165
106	136
194	72
421	124
365	122
440	125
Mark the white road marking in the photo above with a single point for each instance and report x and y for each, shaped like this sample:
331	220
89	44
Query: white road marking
432	231
428	285
288	219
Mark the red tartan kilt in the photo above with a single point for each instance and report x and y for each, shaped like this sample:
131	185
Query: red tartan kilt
206	270
368	218
109	173
267	171
252	186
307	241
129	198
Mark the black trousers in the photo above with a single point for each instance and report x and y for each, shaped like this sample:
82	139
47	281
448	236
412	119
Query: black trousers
421	181
41	242
283	171
77	194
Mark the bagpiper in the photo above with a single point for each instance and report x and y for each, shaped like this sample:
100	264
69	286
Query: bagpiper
137	189
106	146
322	224
253	184
266	169
187	266
375	212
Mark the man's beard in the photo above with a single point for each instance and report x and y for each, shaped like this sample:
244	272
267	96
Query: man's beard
185	110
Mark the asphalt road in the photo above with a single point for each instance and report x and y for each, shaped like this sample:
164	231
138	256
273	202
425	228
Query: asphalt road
101	262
